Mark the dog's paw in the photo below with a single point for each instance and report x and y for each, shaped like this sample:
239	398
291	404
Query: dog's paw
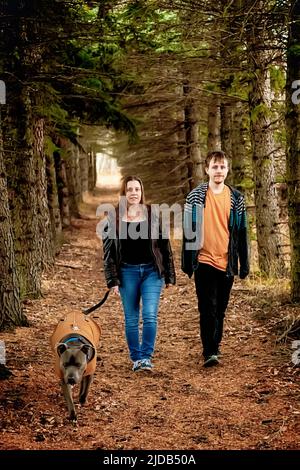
73	417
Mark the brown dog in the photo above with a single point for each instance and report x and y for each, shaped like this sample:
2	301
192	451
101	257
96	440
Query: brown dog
74	342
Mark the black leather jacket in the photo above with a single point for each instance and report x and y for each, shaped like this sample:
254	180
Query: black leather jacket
160	249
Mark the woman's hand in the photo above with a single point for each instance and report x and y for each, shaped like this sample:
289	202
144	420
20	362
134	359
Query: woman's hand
115	290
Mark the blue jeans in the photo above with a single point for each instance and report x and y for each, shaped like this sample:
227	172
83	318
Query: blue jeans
140	282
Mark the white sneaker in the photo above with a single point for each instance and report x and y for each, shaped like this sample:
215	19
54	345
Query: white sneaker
136	366
146	364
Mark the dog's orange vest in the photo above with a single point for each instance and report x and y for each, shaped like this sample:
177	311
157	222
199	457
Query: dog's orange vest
76	323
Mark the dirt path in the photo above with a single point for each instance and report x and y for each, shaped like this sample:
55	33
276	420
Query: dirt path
250	401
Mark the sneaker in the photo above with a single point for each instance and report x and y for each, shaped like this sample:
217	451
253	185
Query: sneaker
136	366
211	361
146	364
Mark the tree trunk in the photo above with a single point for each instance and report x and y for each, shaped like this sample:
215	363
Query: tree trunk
53	202
24	200
84	171
242	177
85	160
263	146
24	138
62	189
226	133
213	125
45	236
92	170
270	261
184	166
293	148
191	124
72	166
11	314
226	128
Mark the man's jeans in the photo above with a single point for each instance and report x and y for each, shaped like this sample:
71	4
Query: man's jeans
213	290
140	282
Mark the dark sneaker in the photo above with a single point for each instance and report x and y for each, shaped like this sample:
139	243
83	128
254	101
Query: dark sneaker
146	364
211	361
136	366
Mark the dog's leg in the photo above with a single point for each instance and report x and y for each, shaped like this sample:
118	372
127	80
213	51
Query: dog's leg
84	388
67	391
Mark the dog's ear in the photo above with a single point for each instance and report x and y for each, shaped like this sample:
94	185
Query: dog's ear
61	348
88	350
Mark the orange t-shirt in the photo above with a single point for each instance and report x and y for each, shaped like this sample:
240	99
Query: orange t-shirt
215	230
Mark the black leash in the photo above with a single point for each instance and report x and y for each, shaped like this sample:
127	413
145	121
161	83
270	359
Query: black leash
94	307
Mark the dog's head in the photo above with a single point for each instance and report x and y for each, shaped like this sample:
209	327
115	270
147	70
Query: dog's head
73	361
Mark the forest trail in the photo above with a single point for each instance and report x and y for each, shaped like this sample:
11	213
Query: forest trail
249	401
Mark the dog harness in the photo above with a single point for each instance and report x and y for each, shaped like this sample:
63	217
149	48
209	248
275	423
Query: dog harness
79	324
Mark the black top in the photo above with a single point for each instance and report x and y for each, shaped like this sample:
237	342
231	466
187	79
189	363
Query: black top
160	248
135	243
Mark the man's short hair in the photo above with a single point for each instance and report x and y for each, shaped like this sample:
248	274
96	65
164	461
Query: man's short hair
217	155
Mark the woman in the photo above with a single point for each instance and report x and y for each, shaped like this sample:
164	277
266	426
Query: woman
137	262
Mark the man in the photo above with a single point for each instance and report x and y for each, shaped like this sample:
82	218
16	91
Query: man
215	239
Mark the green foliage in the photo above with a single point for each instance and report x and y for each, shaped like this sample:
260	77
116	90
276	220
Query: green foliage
246	184
280	136
258	111
146	27
236	84
74	75
211	87
50	146
294	50
278	78
280	179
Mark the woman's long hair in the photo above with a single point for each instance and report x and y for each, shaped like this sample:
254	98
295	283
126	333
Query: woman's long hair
124	186
122	206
